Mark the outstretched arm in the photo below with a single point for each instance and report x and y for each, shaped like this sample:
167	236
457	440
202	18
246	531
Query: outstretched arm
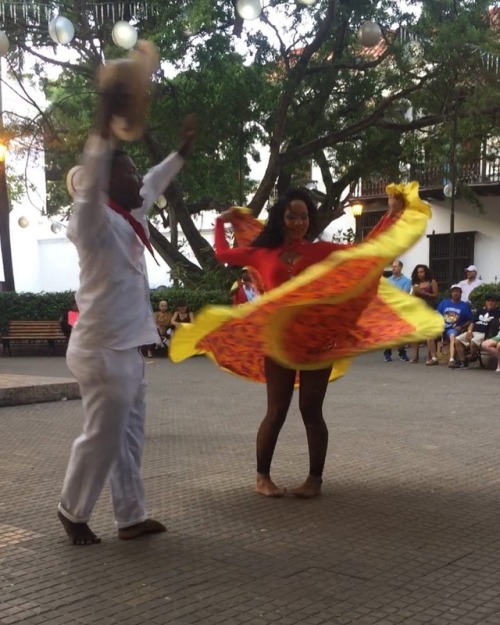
90	218
160	176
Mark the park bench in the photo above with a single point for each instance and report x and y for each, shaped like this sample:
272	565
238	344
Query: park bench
33	332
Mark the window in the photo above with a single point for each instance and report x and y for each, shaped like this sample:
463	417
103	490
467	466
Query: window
439	257
366	222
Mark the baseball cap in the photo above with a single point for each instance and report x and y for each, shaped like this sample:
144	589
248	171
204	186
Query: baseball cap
492	296
455	286
471	268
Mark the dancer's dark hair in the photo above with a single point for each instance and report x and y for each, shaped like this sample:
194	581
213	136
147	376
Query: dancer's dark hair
273	234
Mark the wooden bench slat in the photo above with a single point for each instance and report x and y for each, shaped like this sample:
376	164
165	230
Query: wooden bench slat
31	331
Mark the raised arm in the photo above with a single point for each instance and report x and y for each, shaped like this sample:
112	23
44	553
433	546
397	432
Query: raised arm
223	251
89	216
160	176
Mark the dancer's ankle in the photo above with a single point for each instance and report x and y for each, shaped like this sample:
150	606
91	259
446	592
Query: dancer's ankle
265	486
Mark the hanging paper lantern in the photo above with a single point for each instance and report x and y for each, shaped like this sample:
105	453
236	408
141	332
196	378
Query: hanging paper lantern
161	202
61	30
249	9
308	3
448	190
369	34
124	35
23	222
4	43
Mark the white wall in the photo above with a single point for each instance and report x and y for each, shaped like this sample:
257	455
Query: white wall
44	261
486	224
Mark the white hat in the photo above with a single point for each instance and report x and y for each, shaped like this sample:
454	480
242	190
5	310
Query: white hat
75	181
471	268
134	75
455	286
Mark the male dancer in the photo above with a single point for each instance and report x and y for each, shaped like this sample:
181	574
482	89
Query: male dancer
109	229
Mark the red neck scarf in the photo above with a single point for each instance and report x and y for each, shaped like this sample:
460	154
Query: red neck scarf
136	226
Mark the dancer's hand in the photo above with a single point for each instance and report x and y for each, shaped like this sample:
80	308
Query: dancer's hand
396	205
227	216
113	100
188	135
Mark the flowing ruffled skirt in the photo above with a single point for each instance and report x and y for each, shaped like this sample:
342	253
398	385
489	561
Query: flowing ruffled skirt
335	310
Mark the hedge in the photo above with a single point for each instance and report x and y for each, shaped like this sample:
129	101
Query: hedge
50	306
477	296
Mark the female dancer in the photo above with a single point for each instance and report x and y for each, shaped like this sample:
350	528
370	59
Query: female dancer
280	252
337	290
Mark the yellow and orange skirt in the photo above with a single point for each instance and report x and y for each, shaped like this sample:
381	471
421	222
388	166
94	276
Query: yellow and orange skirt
335	310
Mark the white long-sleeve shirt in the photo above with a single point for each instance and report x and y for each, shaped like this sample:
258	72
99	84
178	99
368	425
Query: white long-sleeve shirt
113	297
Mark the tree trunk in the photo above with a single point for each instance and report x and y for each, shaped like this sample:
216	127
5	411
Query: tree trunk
8	284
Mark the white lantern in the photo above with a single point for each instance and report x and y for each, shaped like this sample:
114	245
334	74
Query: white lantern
249	9
23	222
61	30
308	3
369	34
161	202
124	35
4	43
56	227
448	190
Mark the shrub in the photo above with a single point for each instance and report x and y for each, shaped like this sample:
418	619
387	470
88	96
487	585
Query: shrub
477	296
50	306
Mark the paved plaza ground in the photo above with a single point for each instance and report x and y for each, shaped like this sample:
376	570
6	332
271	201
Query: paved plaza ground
407	531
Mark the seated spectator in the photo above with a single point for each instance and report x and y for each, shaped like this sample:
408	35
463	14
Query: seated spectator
479	329
457	316
470	283
244	290
492	346
68	319
182	315
163	319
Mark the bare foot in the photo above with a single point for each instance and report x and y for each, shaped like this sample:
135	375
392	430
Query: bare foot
79	533
310	488
265	486
149	526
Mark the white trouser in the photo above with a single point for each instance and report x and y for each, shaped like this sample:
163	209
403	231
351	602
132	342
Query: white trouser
113	397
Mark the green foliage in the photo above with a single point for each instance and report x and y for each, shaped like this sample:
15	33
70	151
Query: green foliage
256	89
33	306
218	279
50	306
195	299
477	296
344	236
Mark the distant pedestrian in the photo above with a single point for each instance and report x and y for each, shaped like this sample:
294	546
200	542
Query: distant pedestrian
470	283
68	319
401	282
425	287
244	290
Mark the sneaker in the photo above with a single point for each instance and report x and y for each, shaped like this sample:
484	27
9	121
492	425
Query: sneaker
463	365
388	358
432	362
404	358
452	364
